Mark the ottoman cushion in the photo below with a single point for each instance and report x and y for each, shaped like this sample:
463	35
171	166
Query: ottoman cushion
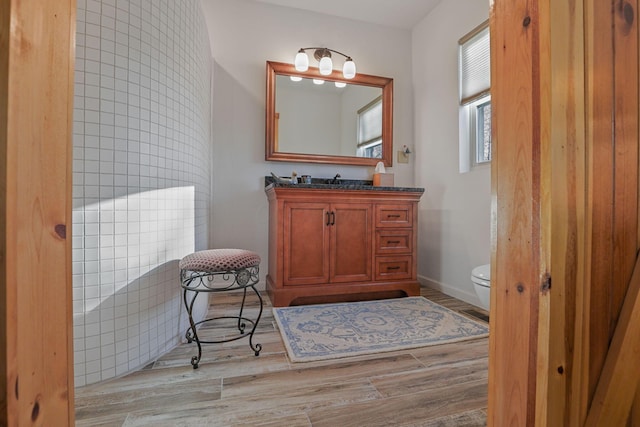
219	260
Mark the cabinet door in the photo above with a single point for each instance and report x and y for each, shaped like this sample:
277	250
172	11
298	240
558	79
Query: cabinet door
351	239
306	243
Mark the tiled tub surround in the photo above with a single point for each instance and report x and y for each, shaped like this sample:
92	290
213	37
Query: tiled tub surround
141	177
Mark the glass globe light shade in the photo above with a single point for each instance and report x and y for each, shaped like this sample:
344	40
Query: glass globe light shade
302	61
349	69
325	66
340	84
295	78
318	81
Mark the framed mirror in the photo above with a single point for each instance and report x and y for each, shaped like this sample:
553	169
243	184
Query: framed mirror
315	122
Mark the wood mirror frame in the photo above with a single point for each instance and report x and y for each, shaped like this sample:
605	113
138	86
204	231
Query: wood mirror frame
385	83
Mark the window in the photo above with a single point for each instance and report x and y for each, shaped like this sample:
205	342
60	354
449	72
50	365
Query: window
370	130
474	70
483	131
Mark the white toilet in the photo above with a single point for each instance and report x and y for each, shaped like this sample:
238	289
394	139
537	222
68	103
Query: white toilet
481	278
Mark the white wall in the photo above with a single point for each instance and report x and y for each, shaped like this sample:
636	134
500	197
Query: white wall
244	35
141	186
454	213
310	112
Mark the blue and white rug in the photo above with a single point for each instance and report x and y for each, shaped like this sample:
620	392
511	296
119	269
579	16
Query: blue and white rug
329	331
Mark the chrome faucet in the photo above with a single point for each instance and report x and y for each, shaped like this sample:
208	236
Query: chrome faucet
335	179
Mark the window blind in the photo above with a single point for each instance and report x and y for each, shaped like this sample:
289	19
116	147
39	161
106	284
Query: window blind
370	122
475	65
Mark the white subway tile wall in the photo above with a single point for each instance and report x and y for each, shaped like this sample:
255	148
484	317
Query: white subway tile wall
141	177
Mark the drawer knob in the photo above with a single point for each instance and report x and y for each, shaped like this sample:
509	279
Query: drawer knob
393	268
393	241
393	216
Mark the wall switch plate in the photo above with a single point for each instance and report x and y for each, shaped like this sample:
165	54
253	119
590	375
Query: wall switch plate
403	157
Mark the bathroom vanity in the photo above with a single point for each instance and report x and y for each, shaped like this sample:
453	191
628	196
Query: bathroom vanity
341	242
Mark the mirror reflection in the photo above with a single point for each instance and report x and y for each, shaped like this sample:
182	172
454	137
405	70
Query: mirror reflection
327	118
340	121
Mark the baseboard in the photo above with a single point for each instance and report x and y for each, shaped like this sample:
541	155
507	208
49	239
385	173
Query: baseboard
467	297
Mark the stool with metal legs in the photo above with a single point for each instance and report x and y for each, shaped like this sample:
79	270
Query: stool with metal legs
220	270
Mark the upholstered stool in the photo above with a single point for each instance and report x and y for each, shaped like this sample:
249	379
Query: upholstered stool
220	270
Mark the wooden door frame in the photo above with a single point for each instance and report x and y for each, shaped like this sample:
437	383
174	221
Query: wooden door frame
565	213
37	55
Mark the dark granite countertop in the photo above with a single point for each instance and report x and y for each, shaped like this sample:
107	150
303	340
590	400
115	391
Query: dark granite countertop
342	184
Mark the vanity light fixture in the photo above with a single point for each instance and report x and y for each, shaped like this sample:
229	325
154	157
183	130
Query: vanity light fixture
325	64
295	78
340	84
318	81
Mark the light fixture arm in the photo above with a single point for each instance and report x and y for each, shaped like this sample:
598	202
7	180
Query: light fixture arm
320	52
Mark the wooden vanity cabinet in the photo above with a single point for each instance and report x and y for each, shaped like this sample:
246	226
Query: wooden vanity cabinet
332	245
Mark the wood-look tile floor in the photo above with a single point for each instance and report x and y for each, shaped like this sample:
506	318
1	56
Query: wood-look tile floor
442	385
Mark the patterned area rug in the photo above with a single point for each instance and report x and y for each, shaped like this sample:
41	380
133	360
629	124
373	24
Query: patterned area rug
331	331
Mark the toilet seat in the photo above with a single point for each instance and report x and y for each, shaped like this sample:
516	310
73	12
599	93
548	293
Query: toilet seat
480	282
481	275
481	279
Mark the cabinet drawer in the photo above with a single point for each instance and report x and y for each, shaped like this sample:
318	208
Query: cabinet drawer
394	242
394	268
394	215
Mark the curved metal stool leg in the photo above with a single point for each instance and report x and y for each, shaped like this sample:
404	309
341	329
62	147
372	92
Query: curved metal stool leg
243	278
258	347
241	324
192	332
